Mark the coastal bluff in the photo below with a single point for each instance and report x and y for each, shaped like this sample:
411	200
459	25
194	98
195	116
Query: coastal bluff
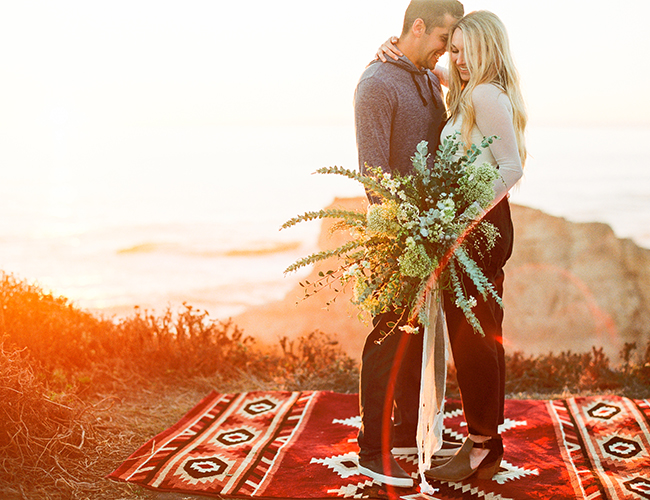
569	286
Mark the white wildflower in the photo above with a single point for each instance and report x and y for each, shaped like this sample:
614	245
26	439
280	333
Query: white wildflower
447	209
352	271
410	329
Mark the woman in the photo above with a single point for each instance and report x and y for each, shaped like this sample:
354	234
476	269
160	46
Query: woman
484	100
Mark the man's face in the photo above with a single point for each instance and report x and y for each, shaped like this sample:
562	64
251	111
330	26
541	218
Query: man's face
434	44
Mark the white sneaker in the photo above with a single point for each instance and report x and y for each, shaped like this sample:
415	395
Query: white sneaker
448	449
394	476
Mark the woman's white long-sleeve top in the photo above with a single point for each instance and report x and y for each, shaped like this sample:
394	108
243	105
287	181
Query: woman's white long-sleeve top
493	117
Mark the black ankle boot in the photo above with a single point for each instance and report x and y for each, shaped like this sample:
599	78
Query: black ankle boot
458	468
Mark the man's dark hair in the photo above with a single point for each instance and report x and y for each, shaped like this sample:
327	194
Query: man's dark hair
432	12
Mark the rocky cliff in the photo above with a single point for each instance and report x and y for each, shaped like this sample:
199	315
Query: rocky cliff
569	286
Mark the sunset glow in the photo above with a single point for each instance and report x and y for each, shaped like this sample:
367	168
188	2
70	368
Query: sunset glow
131	124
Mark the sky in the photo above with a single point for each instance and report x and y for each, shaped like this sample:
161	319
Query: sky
114	111
214	62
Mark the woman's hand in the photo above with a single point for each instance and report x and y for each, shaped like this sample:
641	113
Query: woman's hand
388	48
443	74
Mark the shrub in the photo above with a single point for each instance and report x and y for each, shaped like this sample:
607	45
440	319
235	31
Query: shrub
77	351
186	344
316	362
57	335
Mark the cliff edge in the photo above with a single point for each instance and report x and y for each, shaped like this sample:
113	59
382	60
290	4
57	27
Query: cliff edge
569	286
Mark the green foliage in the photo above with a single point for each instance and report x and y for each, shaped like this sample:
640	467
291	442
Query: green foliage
349	216
325	254
418	229
463	302
368	182
483	285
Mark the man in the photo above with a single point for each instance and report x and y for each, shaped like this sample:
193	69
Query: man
397	105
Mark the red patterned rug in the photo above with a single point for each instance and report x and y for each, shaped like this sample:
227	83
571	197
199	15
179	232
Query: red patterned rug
294	445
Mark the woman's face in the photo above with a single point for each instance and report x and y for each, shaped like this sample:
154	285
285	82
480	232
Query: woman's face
457	54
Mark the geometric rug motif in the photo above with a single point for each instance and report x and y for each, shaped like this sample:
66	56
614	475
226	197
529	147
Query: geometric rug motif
295	445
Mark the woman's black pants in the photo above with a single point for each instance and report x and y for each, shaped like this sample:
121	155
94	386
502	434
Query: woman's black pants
480	360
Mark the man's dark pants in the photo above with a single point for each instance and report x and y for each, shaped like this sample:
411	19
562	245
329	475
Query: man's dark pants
404	351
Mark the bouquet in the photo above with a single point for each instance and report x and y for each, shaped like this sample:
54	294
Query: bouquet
414	240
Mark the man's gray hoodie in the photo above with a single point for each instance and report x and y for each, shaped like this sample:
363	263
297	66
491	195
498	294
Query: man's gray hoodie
396	106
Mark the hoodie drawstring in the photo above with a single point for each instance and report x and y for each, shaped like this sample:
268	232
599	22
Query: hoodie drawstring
433	96
417	85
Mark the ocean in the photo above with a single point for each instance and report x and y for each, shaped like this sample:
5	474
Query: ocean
157	216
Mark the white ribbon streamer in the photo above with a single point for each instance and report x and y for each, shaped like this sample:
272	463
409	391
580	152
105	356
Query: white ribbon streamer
432	387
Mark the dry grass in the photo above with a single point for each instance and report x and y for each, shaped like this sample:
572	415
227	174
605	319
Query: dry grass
78	394
49	444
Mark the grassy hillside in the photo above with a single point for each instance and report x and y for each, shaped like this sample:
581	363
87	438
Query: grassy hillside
78	393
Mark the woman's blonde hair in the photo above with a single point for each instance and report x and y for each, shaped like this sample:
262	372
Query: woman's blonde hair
489	60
